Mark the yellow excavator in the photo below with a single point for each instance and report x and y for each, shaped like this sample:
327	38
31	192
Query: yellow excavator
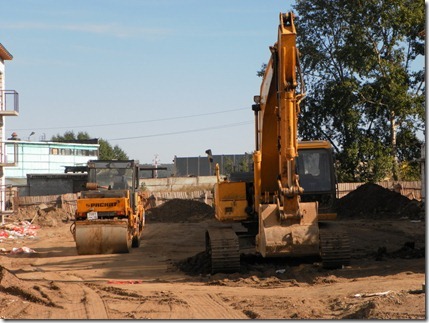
286	209
110	215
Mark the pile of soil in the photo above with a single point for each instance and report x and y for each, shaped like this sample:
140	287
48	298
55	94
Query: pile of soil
407	251
43	215
375	201
28	291
198	264
179	210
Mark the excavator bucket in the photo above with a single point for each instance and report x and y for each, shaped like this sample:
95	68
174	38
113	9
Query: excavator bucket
290	239
102	237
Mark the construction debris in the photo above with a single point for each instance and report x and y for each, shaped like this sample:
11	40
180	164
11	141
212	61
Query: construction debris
18	230
15	251
372	294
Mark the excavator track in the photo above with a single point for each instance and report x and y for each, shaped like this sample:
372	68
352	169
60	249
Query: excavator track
334	246
223	248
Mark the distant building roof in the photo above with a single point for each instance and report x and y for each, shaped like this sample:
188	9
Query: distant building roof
4	54
80	141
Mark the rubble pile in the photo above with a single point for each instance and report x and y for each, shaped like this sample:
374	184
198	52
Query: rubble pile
17	231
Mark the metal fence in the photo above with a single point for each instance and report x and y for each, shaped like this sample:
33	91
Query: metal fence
201	166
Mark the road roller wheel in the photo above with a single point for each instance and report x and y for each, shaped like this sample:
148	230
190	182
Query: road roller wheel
102	237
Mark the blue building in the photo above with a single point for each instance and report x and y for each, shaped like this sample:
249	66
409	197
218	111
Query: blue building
30	157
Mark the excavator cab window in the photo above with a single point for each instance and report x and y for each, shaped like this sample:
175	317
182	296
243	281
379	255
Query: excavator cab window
314	170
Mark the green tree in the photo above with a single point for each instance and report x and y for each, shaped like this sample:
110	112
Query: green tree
261	72
364	91
245	163
106	150
71	136
228	165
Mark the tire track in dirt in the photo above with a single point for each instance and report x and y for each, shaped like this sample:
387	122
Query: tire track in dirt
167	304
211	306
14	308
80	302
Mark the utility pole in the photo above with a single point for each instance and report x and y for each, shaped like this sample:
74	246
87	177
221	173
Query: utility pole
155	163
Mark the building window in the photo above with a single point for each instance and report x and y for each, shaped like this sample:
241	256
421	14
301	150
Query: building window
74	152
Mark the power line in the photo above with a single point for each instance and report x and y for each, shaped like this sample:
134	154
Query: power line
185	131
133	122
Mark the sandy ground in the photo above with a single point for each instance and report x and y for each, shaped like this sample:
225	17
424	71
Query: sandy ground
163	279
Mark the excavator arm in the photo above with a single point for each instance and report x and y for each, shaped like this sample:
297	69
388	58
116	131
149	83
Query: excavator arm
278	105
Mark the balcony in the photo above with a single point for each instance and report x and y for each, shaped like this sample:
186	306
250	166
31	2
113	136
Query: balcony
9	103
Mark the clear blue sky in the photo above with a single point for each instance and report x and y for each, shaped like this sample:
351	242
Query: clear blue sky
165	77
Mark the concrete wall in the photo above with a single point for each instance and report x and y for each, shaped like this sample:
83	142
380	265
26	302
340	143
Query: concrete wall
54	184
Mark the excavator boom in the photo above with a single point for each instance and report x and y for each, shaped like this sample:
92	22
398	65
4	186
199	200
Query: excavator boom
278	110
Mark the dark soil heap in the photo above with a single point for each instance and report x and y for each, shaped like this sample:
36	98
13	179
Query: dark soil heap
372	200
178	210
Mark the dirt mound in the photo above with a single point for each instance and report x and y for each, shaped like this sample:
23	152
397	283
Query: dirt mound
12	285
198	264
43	215
372	200
407	251
379	307
179	210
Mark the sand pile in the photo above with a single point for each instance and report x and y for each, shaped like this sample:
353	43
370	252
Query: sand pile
29	291
43	215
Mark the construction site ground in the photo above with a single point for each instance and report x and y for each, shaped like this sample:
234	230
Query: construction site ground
167	276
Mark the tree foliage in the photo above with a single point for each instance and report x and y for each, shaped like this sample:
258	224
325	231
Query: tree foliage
365	87
106	150
245	163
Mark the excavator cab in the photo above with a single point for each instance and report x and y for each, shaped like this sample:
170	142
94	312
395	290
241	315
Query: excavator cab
315	168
